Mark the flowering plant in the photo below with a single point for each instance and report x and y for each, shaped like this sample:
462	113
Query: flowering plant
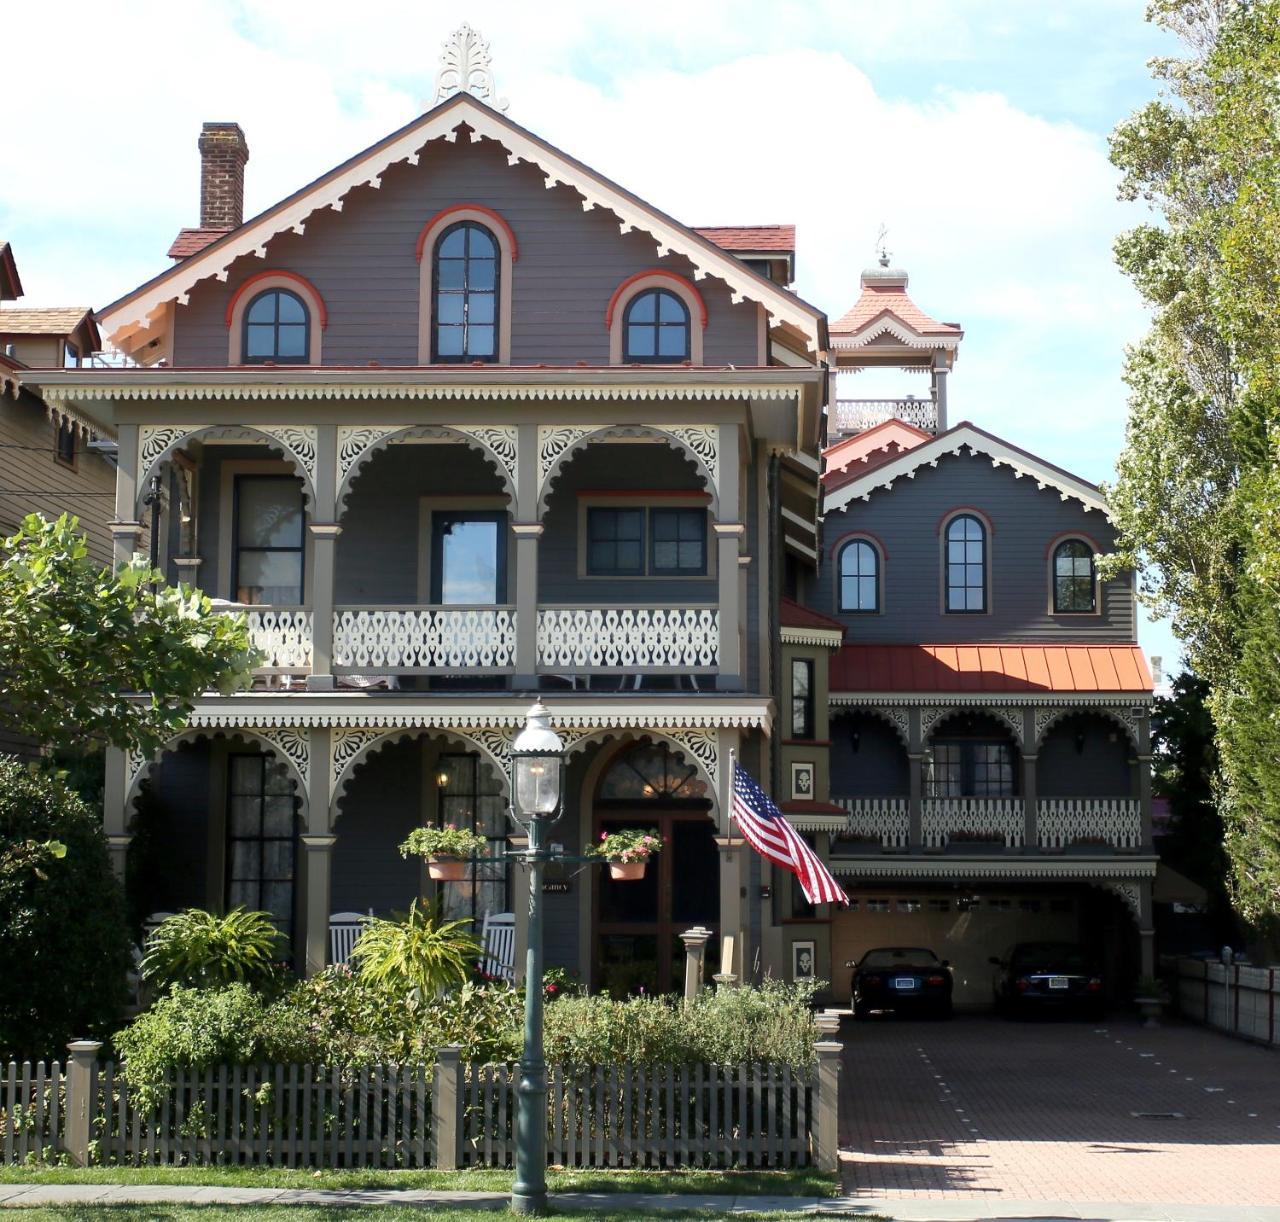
446	841
627	845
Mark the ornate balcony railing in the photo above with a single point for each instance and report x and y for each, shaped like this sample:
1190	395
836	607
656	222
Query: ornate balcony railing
409	640
884	819
620	638
945	821
855	415
281	634
1064	823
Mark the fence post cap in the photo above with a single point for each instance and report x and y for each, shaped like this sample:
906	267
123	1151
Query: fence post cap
826	1022
828	1048
84	1047
451	1051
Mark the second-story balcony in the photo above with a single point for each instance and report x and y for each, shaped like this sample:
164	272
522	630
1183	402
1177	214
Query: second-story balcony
858	415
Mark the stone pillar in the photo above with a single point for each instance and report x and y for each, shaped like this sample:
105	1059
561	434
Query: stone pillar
319	862
1030	798
695	950
527	535
81	1068
126	530
115	807
826	1132
915	776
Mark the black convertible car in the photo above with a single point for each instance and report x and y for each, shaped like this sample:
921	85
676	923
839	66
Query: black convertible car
902	979
1043	976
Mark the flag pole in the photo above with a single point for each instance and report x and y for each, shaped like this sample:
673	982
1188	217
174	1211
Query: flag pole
733	776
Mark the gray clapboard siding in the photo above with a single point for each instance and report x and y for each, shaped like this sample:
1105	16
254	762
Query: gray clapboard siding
178	822
363	264
879	768
906	520
1101	769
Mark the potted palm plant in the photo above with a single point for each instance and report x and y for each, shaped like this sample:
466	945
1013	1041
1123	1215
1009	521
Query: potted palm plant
627	851
446	849
1151	997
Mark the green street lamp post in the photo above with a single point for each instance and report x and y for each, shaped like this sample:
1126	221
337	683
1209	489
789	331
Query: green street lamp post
537	758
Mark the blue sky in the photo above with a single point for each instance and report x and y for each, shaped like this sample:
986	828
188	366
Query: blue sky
974	130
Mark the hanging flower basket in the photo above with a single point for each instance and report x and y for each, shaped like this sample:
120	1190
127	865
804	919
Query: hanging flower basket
446	869
628	871
627	852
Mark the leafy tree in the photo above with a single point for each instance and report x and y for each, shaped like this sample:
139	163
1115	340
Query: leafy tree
65	952
86	651
1197	494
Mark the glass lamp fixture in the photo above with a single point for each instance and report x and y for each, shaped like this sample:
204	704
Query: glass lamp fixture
537	756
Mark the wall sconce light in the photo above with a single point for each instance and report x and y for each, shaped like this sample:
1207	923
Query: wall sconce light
1079	739
855	740
442	778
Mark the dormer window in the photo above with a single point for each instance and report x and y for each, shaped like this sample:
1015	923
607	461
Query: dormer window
465	288
277	328
656	328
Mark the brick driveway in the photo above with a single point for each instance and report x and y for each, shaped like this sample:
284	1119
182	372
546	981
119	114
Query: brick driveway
1043	1111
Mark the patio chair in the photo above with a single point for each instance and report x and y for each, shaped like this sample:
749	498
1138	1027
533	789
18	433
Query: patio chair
344	929
498	942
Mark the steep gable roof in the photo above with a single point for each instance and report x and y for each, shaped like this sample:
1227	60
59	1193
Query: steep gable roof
10	285
968	437
858	454
138	311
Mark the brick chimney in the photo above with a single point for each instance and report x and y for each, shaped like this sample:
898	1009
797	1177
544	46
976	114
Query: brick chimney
223	152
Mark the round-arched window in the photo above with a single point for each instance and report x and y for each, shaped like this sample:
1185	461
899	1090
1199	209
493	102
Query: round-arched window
859	576
1074	580
465	287
966	564
277	327
655	328
651	773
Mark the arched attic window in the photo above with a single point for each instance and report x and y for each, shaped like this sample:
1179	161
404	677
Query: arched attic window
655	318
1075	581
965	565
275	317
466	288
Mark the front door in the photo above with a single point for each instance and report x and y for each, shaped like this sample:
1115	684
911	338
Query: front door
638	924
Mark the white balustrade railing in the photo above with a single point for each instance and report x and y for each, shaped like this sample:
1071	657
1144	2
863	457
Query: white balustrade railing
855	415
1064	822
626	638
281	634
947	820
884	819
371	640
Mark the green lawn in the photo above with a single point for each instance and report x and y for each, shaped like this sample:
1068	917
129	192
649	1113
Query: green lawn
804	1182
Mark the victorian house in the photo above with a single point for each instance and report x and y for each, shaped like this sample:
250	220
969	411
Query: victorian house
462	424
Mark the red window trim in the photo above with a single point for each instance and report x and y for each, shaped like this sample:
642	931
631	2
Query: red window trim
497	218
652	272
258	277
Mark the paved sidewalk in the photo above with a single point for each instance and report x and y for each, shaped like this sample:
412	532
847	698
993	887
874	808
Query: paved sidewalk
970	1118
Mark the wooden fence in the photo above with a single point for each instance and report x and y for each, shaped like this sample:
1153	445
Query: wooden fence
447	1115
1236	998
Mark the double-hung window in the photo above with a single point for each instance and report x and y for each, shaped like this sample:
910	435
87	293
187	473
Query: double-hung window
466	295
965	565
468	557
1074	579
261	831
654	542
465	803
970	768
859	577
269	540
802	698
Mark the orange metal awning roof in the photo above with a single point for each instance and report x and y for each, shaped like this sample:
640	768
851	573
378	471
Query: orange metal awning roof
990	668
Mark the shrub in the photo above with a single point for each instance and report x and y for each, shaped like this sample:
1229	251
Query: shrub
417	953
65	943
191	1028
200	949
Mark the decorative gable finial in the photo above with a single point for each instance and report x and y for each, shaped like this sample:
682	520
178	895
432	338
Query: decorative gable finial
464	68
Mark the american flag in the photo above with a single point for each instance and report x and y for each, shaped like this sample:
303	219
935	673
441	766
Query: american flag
768	832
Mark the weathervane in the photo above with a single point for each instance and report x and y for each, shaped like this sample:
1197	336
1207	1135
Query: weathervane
464	68
882	251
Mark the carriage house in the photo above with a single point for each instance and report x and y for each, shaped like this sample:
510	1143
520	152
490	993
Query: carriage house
459	424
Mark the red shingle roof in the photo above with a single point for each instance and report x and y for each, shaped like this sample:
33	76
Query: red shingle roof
864	451
990	668
884	291
750	237
193	241
793	615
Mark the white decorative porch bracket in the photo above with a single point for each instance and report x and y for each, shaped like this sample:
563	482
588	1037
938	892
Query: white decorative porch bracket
391	639
947	820
1064	822
624	638
884	819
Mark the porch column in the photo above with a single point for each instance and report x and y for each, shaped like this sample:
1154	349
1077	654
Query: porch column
729	532
939	379
1030	799
319	855
1143	760
324	541
915	778
527	535
126	530
735	865
115	814
318	842
1146	930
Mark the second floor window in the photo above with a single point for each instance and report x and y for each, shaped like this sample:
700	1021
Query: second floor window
277	327
655	329
802	698
966	565
859	577
1074	585
465	288
269	538
970	768
469	558
64	448
665	542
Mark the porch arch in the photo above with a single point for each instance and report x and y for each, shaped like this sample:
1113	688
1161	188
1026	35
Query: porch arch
358	444
296	444
353	749
1051	717
895	719
291	750
558	445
